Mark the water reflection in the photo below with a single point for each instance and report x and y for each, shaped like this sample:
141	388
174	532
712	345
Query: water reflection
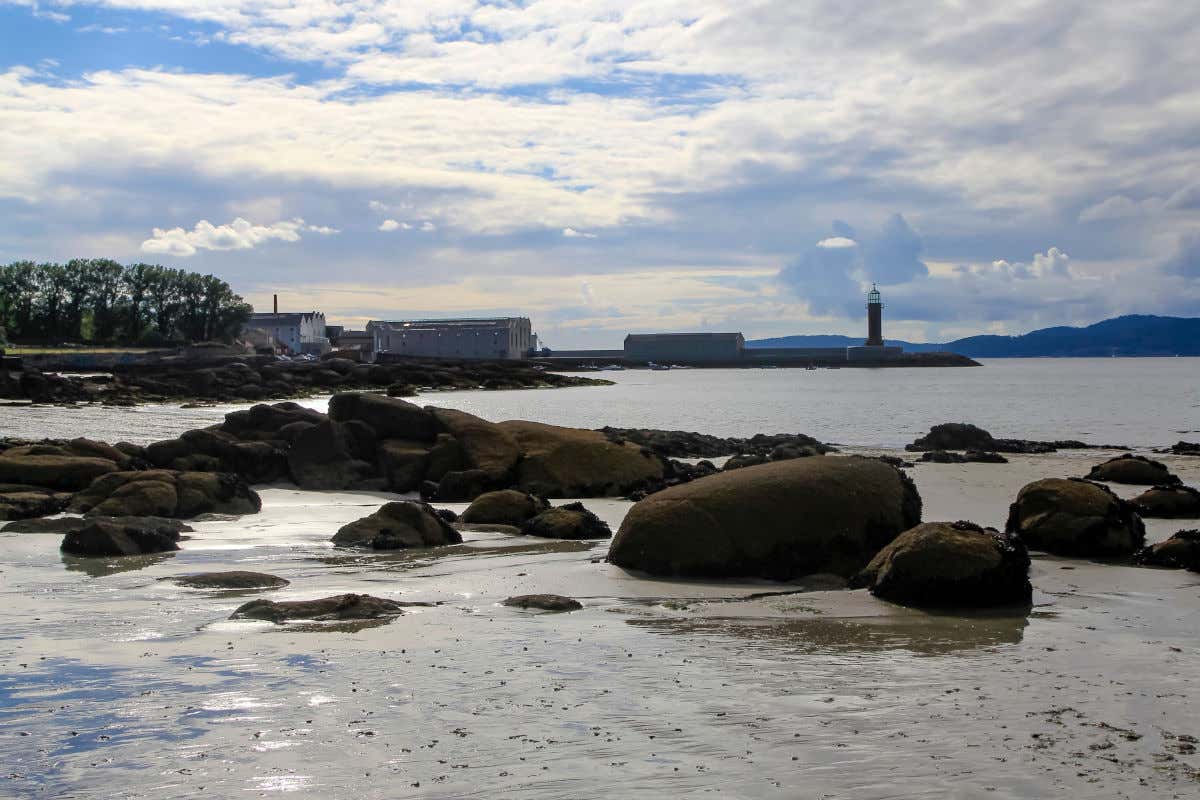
921	633
101	567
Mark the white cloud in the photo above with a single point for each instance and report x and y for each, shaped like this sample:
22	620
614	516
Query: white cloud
237	235
389	225
428	227
571	233
836	242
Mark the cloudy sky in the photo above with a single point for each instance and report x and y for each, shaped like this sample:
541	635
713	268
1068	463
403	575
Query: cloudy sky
605	166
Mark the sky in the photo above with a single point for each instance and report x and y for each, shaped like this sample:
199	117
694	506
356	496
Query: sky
607	167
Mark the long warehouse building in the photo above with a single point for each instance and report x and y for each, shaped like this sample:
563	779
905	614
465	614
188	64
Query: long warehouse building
494	338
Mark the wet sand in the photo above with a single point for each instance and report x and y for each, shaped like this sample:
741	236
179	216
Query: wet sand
119	683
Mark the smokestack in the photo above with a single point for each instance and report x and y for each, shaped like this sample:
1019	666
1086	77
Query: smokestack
275	301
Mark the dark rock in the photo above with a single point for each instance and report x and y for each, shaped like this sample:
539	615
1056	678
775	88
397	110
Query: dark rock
740	461
340	607
398	525
401	390
544	602
950	564
1074	517
236	579
686	444
505	507
446	515
954	436
389	417
568	462
1131	469
1169	502
1182	448
120	537
321	458
571	521
463	486
483	527
403	463
948	457
23	502
166	493
62	525
1181	551
51	467
778	521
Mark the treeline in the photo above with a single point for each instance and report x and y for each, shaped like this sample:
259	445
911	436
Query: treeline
99	301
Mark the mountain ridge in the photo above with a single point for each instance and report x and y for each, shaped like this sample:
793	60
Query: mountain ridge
1129	335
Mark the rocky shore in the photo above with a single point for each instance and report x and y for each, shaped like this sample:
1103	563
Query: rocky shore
255	378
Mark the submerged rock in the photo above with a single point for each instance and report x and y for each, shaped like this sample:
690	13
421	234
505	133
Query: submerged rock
1169	502
167	493
1181	551
950	564
778	521
544	602
571	521
398	525
504	507
339	607
1074	517
236	579
130	536
1136	470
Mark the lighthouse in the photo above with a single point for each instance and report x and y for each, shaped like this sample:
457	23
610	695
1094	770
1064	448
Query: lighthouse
874	318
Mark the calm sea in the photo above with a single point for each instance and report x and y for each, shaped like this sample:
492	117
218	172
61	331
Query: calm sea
1138	402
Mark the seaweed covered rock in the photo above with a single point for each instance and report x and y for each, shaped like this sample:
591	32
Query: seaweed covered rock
103	536
63	525
1136	470
569	462
954	436
482	445
543	602
22	502
950	564
338	607
504	507
52	467
1181	551
1074	517
166	493
571	521
398	525
1169	502
779	521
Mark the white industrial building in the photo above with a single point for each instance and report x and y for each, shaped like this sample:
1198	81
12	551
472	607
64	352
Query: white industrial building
302	332
497	338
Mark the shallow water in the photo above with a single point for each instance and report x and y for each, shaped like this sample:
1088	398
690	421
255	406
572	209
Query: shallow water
117	680
1140	402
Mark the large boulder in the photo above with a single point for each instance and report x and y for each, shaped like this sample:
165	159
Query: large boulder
390	417
461	486
166	493
954	436
482	445
1073	517
398	525
1169	502
339	607
1181	551
569	462
324	457
1136	470
105	536
268	420
217	450
950	564
504	507
571	521
779	521
52	467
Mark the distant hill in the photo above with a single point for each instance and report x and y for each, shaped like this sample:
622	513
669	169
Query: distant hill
1133	335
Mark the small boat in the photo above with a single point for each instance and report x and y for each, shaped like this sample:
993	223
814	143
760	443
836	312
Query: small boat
657	367
811	367
613	368
680	366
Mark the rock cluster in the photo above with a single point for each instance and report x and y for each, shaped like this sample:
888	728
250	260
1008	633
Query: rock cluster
1074	517
950	564
37	479
964	436
398	526
686	444
970	456
108	536
778	521
228	380
166	493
